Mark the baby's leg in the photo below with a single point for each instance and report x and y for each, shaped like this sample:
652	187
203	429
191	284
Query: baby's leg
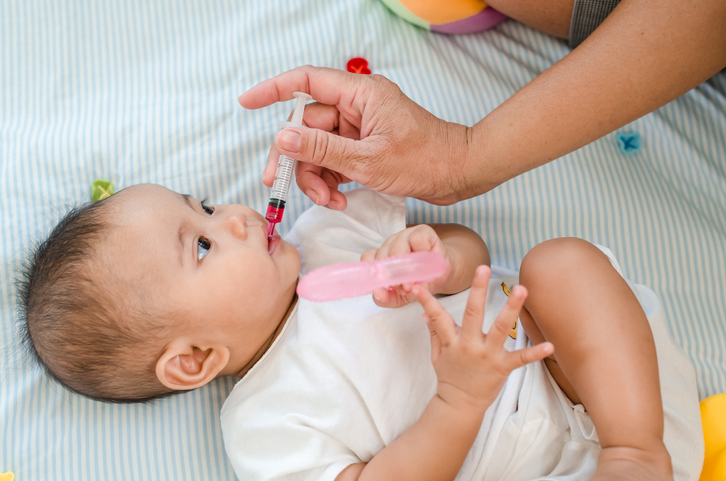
604	353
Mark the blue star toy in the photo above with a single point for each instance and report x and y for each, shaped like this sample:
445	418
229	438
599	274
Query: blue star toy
629	143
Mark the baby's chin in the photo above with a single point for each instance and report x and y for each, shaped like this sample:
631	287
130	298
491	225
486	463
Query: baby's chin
286	254
279	247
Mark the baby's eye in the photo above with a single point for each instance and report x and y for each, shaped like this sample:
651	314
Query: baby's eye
207	208
203	246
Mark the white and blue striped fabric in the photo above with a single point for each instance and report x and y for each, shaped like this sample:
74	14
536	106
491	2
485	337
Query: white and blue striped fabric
146	91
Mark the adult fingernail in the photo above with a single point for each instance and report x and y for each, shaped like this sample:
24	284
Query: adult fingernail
289	140
334	204
312	195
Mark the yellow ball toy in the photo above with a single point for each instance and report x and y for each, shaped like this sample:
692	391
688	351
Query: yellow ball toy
447	16
713	418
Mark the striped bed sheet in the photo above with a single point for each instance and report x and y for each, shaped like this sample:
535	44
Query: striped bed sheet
145	91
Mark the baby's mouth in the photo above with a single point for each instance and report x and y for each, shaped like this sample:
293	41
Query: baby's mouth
273	242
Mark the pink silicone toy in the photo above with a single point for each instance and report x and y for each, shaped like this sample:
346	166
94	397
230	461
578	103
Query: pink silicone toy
354	279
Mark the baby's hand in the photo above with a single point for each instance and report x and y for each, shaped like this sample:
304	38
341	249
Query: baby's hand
471	367
413	239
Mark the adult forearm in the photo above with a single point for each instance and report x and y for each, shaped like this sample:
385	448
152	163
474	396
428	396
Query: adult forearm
644	55
432	450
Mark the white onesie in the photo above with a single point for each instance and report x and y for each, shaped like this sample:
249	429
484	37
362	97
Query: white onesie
344	379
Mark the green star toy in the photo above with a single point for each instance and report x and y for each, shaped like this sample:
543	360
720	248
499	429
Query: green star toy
100	189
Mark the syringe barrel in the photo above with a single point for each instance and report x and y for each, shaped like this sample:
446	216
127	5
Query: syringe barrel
285	167
283	178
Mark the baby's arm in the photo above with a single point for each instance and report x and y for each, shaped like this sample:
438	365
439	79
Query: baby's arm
471	368
463	249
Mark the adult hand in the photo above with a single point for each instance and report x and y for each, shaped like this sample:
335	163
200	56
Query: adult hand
363	129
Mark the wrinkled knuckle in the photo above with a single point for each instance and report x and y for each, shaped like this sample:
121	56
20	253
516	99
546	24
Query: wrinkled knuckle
319	148
435	317
472	311
309	69
502	326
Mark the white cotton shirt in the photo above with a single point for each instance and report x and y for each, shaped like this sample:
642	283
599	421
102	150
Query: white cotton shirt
346	378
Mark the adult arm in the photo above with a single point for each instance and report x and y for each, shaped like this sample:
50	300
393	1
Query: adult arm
644	55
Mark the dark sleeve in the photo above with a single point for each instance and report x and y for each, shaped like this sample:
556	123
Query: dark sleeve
587	15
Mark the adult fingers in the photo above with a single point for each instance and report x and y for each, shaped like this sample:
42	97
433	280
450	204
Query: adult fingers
507	317
441	321
333	180
325	85
320	185
347	156
309	180
330	119
471	324
268	174
349	93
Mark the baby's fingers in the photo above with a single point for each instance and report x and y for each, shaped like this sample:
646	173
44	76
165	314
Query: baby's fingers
368	255
439	319
435	340
471	324
391	298
381	297
522	357
507	317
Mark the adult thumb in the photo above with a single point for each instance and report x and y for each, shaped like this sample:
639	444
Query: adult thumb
322	148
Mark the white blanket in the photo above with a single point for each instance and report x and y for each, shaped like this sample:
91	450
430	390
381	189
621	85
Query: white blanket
145	91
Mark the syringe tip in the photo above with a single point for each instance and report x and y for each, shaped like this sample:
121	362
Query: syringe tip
271	229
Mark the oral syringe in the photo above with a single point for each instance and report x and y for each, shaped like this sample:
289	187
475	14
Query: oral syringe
285	169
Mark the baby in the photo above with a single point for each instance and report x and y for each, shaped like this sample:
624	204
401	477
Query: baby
150	292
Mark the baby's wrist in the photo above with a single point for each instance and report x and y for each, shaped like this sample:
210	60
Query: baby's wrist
462	406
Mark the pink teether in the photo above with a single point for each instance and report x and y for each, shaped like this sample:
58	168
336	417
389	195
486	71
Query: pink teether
354	279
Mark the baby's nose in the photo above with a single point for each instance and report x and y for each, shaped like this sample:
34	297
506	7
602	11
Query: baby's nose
236	224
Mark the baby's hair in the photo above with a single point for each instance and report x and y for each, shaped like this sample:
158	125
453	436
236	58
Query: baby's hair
86	329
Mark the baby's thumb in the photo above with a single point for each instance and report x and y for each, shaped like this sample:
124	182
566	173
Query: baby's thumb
322	148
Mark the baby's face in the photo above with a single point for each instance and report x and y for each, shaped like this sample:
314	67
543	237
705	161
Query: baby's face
209	264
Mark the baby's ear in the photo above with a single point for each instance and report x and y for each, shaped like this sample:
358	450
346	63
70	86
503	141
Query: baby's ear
183	367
